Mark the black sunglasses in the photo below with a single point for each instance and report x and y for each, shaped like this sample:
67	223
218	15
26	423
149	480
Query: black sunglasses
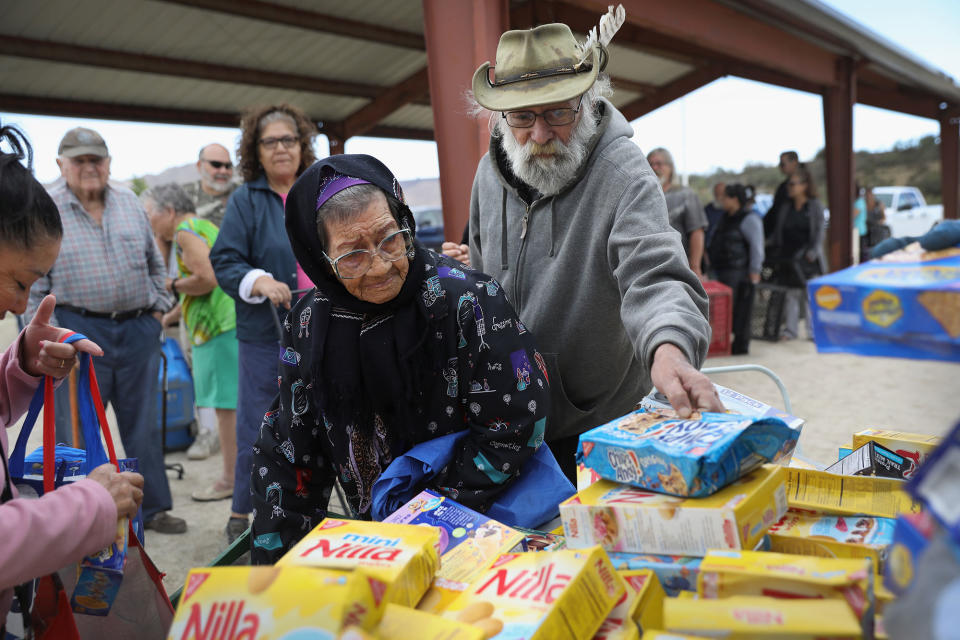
216	164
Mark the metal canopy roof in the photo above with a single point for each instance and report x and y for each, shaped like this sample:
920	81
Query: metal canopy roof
202	61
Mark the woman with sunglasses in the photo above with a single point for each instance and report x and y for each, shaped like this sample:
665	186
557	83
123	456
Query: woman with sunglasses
798	240
254	265
396	345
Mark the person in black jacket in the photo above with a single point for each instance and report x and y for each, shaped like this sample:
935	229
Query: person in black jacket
255	266
789	163
395	346
736	256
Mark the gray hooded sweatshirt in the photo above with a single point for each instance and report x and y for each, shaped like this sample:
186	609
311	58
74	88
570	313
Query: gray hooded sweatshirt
596	272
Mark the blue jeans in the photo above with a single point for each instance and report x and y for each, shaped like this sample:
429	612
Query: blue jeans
256	392
127	376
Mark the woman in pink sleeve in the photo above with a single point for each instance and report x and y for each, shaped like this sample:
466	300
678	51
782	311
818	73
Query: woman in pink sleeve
38	537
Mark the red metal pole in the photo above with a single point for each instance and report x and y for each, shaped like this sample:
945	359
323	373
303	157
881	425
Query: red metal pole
460	37
950	165
838	131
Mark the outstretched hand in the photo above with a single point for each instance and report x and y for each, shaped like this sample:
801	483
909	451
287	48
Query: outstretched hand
686	388
42	353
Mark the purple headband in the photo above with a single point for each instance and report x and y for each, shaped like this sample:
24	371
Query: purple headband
334	184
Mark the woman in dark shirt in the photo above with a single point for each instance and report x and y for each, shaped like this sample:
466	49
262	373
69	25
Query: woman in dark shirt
797	241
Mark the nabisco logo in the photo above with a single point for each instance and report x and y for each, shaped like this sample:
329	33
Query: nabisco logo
223	620
540	585
355	547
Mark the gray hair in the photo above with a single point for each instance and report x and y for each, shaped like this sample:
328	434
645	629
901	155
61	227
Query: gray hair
601	88
207	146
171	196
667	156
344	205
277	116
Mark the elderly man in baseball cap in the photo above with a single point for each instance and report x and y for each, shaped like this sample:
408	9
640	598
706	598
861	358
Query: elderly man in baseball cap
568	216
109	283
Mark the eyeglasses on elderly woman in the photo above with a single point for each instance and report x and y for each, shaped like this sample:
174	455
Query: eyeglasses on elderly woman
354	264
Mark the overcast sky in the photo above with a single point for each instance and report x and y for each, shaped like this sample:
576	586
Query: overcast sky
727	124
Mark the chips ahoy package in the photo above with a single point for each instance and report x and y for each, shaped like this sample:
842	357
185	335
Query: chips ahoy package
688	458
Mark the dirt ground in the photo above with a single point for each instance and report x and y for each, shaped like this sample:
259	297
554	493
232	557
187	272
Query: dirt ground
837	394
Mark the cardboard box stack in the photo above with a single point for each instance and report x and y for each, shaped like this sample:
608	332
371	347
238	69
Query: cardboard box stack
760	551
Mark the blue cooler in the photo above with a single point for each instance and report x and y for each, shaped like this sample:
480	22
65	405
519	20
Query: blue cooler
179	397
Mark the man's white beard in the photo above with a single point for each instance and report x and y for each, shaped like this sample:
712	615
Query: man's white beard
216	187
548	174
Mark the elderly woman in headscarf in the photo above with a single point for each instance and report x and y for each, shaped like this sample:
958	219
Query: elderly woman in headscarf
396	346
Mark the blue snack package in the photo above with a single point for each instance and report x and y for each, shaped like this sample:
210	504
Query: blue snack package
676	573
689	458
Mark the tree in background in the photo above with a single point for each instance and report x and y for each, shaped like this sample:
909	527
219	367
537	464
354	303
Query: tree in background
138	185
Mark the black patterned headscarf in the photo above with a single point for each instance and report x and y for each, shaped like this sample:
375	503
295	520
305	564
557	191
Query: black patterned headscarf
378	370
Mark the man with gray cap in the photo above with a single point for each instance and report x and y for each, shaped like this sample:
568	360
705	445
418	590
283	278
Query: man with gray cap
109	284
566	213
211	192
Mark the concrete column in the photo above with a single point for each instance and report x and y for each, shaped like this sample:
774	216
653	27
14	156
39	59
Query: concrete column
838	104
461	35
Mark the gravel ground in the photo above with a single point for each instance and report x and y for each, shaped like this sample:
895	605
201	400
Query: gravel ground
837	394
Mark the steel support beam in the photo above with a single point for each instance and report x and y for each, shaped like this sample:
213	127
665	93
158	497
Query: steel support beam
460	37
838	104
141	113
183	68
706	31
312	20
670	92
399	95
950	165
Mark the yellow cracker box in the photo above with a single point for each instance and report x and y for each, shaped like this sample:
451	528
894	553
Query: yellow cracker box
643	597
403	623
623	518
403	556
654	634
811	534
268	603
742	617
535	596
914	447
847	495
755	573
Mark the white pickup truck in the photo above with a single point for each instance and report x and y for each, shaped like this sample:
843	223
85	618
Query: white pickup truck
907	213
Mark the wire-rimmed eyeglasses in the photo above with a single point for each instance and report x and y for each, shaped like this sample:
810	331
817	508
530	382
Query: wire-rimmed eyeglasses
355	264
553	117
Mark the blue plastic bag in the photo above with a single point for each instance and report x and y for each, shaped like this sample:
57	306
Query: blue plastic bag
529	501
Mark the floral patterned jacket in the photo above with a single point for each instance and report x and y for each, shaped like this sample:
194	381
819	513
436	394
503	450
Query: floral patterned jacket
494	384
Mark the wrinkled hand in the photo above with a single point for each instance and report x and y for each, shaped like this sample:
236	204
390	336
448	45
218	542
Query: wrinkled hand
686	388
126	488
277	292
43	354
456	251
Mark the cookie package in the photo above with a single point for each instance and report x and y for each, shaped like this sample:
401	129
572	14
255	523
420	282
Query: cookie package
536	596
687	458
402	556
272	602
623	518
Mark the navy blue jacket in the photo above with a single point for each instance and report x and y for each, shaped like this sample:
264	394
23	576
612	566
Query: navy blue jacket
253	236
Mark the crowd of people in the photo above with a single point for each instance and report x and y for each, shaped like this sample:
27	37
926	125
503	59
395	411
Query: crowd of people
302	388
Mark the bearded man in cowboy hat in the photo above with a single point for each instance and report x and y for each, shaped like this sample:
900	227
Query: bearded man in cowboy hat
567	214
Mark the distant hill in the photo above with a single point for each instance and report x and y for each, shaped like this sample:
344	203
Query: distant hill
915	163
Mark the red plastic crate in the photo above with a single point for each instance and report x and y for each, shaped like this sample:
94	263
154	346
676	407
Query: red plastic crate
720	313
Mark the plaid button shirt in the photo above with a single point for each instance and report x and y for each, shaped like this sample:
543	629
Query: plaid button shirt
111	267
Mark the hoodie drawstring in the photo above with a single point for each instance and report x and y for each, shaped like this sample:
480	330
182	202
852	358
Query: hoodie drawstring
503	231
553	218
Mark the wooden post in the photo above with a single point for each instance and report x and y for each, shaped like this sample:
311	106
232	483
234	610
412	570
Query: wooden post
460	37
838	104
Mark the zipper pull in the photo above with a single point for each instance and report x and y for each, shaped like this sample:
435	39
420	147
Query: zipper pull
523	226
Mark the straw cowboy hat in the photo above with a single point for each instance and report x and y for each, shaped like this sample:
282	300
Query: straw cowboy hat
537	66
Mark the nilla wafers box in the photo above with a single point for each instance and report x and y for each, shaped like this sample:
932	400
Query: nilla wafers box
539	596
403	556
272	602
619	517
